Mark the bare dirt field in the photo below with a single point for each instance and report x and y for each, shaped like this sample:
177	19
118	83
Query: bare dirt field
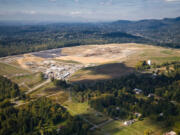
28	58
114	60
100	61
99	53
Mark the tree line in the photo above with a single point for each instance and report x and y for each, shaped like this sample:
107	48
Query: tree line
38	117
117	98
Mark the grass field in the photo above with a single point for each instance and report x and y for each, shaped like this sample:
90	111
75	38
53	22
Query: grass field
155	54
84	110
76	108
31	79
60	97
43	91
10	70
138	128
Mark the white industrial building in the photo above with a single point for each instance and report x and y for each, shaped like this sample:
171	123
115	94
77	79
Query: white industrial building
130	122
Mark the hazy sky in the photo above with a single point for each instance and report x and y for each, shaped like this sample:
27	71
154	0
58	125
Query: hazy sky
87	10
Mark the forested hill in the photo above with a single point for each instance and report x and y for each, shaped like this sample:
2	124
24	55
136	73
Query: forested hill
8	89
37	117
17	39
165	31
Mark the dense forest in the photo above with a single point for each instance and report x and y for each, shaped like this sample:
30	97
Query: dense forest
8	89
158	97
17	39
38	117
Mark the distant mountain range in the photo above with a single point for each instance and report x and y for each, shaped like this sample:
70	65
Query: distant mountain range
19	37
165	31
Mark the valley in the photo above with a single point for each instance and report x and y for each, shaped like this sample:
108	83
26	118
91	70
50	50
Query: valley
85	64
89	67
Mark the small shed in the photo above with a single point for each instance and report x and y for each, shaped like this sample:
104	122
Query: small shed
170	133
149	62
137	91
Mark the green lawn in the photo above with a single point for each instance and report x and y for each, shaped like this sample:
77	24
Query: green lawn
76	108
31	79
84	110
42	90
138	128
167	52
9	70
166	59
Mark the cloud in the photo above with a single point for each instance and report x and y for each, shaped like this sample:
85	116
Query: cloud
172	0
105	3
76	1
31	12
76	13
52	0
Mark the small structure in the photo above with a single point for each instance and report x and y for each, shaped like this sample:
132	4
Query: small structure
137	114
150	95
66	75
161	114
117	108
130	122
154	75
137	91
149	62
170	133
58	130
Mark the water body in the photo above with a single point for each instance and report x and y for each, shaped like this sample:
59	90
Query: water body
53	53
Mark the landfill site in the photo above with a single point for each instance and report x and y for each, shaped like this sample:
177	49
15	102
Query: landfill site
62	63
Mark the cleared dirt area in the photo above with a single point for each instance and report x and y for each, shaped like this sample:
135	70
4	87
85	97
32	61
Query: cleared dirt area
28	59
129	53
115	60
96	62
99	54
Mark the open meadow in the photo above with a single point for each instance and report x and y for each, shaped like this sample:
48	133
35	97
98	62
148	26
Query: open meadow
138	128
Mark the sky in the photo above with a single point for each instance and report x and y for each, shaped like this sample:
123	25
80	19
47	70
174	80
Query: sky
87	10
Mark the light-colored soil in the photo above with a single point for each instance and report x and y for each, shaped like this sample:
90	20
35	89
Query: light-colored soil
28	58
129	53
99	53
102	56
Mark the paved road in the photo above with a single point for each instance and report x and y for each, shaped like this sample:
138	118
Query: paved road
38	86
19	104
101	124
